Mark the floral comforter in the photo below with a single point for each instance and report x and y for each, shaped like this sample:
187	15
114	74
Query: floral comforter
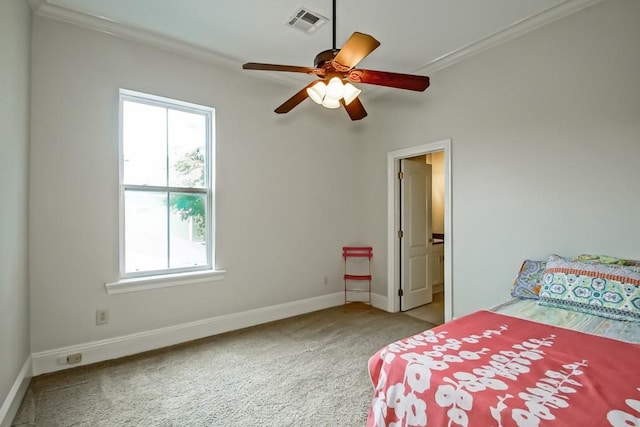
488	369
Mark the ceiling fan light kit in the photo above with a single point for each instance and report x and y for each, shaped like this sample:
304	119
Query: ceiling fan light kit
329	95
330	103
317	92
335	89
350	93
336	69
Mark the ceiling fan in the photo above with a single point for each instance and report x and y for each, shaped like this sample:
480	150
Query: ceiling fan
335	69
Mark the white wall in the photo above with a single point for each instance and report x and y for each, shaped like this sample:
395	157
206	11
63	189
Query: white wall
15	29
284	190
545	147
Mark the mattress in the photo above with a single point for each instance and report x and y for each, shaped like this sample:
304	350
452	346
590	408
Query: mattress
627	331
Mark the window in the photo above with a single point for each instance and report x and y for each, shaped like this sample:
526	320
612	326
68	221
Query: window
166	186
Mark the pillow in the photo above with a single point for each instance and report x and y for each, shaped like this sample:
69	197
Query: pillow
606	290
606	259
529	281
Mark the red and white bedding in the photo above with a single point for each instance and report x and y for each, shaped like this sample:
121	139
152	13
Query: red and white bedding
488	369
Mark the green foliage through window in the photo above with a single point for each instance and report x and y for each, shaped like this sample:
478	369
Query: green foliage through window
191	206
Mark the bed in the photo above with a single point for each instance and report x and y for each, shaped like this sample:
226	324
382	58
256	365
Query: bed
564	351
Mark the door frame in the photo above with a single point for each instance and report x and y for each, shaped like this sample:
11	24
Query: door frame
393	222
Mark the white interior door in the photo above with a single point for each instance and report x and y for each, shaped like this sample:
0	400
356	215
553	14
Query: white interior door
415	223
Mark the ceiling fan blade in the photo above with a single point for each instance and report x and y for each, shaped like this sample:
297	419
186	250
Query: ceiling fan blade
385	78
354	50
296	99
290	68
355	109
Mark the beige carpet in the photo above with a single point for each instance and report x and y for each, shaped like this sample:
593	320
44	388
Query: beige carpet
310	370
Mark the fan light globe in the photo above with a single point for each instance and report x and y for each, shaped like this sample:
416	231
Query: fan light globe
317	92
350	93
330	102
335	88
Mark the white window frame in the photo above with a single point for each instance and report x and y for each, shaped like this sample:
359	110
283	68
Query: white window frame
137	281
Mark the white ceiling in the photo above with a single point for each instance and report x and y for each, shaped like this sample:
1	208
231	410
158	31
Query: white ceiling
415	35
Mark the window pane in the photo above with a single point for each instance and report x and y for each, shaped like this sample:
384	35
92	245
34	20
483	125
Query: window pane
144	144
166	146
187	139
145	231
188	247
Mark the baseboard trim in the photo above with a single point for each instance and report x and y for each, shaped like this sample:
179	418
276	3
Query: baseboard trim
379	301
11	404
127	345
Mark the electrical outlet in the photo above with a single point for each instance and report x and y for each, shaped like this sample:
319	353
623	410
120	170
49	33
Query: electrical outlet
74	358
102	316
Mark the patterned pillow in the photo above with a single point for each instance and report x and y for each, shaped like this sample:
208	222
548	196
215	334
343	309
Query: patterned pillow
606	259
606	290
529	281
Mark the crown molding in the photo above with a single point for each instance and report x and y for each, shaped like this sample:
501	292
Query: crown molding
128	32
104	25
515	30
511	32
150	38
35	4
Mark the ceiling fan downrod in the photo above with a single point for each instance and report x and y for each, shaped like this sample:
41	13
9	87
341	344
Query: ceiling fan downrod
326	56
334	24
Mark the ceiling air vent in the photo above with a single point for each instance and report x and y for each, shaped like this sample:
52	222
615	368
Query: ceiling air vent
305	20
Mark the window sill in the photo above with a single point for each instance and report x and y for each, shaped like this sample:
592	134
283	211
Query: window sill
157	282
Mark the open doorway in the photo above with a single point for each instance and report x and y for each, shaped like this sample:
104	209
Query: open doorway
435	257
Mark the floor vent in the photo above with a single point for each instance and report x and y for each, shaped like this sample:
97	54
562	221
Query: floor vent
307	21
